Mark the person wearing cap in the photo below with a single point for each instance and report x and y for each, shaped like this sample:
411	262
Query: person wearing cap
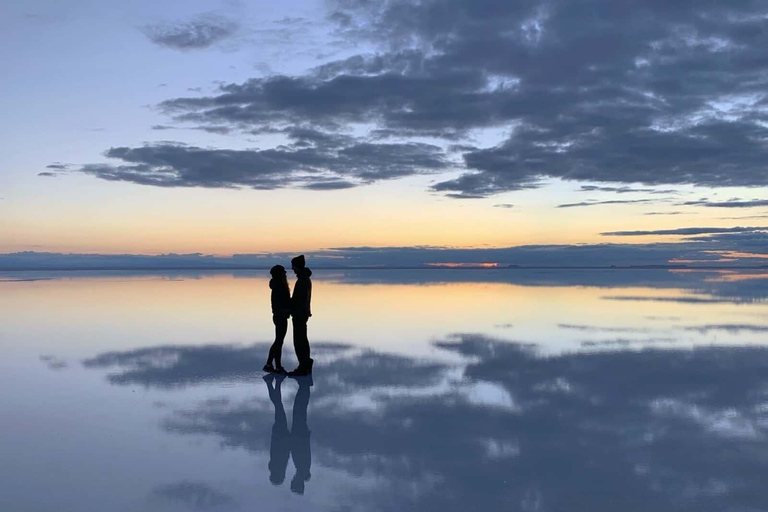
281	310
300	312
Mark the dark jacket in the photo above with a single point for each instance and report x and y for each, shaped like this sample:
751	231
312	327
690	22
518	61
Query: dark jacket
302	295
281	298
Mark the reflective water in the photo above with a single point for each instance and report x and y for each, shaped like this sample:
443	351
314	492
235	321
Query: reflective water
433	390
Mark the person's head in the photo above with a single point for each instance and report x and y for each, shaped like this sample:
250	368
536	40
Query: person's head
298	263
278	272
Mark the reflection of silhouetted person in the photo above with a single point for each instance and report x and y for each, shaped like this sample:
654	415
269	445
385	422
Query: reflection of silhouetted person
279	446
301	311
294	443
281	310
301	452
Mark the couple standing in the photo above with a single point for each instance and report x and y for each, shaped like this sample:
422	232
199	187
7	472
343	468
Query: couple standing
298	308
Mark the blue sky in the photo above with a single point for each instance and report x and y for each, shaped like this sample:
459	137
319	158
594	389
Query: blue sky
232	127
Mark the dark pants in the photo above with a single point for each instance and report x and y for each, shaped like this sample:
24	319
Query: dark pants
300	340
276	350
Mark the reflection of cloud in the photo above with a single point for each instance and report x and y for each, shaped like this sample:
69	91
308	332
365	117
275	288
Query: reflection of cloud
201	32
625	342
637	430
732	328
193	495
596	328
178	366
53	362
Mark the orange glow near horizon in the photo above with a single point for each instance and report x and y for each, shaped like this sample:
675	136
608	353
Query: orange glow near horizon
463	265
109	218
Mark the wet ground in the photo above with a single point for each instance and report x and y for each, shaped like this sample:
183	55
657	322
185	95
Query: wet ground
433	390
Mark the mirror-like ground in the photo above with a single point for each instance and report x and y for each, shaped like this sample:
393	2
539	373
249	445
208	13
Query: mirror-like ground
434	390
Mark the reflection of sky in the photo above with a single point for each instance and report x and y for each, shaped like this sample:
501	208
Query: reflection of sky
398	311
169	411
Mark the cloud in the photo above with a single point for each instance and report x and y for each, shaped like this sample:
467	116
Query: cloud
198	33
594	328
193	495
733	203
668	213
596	203
731	328
53	362
47	174
669	95
625	190
745	217
504	205
705	245
697	421
688	231
313	160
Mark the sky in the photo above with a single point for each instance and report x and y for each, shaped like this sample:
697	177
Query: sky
231	127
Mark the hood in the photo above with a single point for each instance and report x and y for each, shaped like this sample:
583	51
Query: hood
303	272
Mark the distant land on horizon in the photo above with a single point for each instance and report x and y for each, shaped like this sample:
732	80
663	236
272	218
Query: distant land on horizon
363	258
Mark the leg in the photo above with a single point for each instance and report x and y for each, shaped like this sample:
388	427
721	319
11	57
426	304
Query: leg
300	341
276	350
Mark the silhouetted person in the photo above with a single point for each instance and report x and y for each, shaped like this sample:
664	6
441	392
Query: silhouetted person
279	446
281	310
294	443
301	452
301	311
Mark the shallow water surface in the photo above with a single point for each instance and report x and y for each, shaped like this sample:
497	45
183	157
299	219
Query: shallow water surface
433	390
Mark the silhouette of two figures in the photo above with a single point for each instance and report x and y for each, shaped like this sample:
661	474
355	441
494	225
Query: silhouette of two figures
298	308
293	443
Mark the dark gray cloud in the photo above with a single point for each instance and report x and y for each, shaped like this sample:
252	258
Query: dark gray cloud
201	32
649	93
733	203
688	231
47	174
690	438
702	245
504	205
313	160
596	203
668	213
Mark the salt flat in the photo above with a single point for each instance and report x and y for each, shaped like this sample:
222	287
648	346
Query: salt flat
432	390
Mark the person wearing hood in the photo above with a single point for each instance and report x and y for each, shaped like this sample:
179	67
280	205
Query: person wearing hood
300	312
281	310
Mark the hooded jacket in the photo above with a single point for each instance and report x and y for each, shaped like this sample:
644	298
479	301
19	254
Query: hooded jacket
302	294
281	298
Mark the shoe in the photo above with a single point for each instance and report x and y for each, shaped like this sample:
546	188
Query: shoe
280	370
269	368
303	370
299	372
